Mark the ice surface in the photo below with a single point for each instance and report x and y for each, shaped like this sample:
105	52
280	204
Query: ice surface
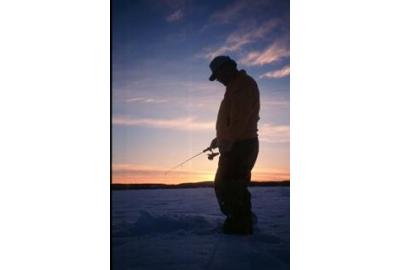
181	229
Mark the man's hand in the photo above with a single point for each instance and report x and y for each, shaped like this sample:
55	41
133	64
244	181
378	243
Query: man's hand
214	143
223	145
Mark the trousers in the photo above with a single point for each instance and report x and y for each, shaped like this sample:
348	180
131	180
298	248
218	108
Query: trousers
233	177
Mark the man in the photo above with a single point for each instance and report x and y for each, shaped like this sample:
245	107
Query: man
237	140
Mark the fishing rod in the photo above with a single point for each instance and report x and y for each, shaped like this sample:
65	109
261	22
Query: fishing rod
210	157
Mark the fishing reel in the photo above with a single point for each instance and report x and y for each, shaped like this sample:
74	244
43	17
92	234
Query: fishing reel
211	155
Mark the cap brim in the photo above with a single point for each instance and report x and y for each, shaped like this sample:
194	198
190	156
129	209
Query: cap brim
212	77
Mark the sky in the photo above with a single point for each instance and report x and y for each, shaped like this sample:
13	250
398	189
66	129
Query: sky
164	107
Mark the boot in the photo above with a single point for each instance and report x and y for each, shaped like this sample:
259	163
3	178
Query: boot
242	226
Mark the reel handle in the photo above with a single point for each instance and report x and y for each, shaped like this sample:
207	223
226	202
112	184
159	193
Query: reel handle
212	155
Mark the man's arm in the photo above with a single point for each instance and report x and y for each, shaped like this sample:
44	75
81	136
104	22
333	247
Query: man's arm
242	105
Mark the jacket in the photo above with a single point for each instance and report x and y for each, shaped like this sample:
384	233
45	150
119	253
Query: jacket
239	110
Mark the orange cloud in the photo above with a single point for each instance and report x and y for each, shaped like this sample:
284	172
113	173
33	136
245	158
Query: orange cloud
134	173
139	174
270	175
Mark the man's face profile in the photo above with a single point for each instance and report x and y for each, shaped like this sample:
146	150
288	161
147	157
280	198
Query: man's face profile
224	74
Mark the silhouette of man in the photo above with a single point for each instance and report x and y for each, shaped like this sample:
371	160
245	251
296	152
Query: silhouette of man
237	140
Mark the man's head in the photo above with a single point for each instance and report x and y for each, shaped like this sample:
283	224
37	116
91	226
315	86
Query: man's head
223	69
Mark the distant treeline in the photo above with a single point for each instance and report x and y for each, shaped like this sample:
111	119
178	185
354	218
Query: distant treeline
192	185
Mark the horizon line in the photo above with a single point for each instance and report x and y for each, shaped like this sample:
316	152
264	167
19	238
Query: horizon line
201	182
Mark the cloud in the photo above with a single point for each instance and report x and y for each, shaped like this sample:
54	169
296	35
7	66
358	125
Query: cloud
238	8
276	74
184	94
275	103
274	133
278	50
187	123
175	16
267	132
228	13
137	173
146	100
269	175
236	40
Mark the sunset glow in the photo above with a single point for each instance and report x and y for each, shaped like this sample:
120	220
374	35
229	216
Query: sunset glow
127	173
163	106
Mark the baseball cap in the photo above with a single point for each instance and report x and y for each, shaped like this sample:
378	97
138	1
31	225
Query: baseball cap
217	62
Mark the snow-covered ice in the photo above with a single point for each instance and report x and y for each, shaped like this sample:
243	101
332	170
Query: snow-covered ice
181	229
